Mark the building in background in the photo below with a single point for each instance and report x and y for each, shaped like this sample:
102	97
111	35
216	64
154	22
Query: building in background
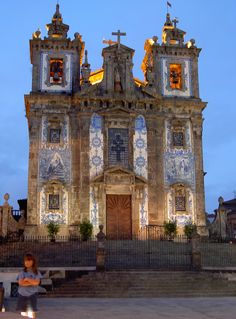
108	147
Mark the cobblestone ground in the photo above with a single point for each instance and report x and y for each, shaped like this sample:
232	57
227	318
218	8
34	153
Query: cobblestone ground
176	308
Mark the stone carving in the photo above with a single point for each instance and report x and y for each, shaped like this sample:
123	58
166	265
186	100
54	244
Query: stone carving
96	146
140	147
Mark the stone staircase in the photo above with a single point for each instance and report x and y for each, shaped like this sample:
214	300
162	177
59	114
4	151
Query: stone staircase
146	284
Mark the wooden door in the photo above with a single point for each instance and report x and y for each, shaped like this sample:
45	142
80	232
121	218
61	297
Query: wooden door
119	212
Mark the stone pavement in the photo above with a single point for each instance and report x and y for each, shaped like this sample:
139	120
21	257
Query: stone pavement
161	308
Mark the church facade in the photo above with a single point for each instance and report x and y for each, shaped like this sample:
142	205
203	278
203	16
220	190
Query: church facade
110	148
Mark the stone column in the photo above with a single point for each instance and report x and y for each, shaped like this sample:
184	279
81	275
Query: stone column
6	210
200	193
100	254
196	252
33	201
84	123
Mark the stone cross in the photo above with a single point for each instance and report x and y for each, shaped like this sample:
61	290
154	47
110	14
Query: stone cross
118	148
119	34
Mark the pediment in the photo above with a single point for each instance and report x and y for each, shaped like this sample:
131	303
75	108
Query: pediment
119	172
116	110
114	48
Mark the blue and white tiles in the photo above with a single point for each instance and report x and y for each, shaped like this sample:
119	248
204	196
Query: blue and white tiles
140	147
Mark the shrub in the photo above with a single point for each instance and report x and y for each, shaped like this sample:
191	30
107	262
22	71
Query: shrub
170	228
86	230
190	229
53	230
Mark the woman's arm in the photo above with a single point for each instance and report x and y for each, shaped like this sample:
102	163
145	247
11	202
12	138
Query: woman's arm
24	283
32	282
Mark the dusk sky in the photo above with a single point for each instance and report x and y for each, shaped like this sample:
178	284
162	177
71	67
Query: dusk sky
211	23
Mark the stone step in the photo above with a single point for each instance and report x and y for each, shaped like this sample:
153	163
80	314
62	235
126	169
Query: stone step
137	284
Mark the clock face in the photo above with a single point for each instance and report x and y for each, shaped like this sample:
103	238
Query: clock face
176	77
56	74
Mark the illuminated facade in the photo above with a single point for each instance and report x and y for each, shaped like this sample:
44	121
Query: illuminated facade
111	148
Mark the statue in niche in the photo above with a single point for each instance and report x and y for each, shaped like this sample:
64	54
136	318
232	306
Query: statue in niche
117	80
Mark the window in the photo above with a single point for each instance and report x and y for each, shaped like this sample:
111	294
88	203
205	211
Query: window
54	135
53	201
176	76
118	146
178	138
56	71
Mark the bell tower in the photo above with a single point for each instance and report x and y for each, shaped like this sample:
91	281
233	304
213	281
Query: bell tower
171	74
56	62
56	59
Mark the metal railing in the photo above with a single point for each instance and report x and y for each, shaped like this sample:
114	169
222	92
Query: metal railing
65	251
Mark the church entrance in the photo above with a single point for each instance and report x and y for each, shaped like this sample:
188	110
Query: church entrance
119	220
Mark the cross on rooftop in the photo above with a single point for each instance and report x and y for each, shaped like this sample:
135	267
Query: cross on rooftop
119	34
175	21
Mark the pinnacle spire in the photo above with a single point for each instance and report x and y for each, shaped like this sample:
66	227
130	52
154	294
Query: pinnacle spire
57	29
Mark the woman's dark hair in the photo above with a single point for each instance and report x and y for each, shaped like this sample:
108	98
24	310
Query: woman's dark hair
34	266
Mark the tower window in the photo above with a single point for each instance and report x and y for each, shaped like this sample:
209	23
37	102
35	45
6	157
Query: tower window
176	76
54	135
56	71
178	138
53	201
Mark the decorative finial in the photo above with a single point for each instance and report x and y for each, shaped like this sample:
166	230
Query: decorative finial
220	200
85	71
6	198
155	39
57	29
37	34
86	58
168	20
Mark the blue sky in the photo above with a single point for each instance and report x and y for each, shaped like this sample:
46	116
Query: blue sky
211	23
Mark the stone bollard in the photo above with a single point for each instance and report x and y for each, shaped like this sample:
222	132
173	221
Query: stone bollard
196	253
1	298
100	253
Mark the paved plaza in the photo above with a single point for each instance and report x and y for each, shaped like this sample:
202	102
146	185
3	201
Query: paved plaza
158	308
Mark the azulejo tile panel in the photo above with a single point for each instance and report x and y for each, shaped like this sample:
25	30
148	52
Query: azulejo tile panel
179	163
55	160
47	216
93	209
183	218
96	160
143	209
55	165
140	147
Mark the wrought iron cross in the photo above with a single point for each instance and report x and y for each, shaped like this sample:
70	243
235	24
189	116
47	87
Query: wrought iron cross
175	21
119	34
118	148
